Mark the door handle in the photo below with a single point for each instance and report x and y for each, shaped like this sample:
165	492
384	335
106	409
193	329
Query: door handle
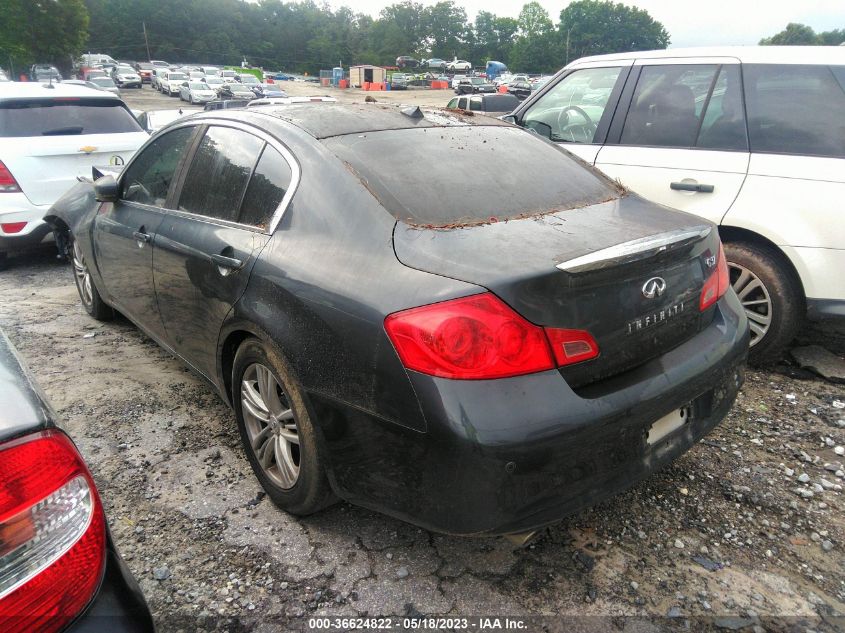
691	186
143	238
227	262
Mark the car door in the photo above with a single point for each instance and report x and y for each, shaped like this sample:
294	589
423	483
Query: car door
207	246
577	109
124	231
682	141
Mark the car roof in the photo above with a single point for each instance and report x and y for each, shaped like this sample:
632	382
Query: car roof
341	119
32	90
745	54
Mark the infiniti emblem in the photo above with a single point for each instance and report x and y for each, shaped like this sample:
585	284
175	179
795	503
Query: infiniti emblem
654	287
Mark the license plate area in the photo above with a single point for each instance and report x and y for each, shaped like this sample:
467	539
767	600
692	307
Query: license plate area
668	424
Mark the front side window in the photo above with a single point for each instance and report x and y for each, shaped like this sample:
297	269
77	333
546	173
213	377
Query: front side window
571	110
219	173
147	180
796	109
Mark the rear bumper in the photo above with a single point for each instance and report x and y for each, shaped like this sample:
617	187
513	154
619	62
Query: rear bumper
17	208
119	605
517	454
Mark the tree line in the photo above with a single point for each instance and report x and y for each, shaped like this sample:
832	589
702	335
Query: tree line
802	35
306	36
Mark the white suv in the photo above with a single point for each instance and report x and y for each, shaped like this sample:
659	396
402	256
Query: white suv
51	135
170	82
752	138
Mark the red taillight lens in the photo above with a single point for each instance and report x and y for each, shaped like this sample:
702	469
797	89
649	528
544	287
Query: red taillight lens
8	184
477	337
572	346
717	283
52	533
12	227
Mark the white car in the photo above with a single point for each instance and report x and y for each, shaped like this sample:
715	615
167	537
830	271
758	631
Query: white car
50	136
153	120
751	138
195	91
126	77
459	64
170	82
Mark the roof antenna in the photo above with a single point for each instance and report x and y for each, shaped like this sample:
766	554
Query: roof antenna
413	112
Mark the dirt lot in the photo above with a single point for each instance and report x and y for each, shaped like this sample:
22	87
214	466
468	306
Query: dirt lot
745	531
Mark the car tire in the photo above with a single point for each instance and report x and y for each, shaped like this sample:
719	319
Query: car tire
771	295
287	458
88	293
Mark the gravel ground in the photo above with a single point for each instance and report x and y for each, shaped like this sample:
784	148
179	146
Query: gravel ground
746	530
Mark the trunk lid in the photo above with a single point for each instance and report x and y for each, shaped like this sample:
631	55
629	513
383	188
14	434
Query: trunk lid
47	166
568	270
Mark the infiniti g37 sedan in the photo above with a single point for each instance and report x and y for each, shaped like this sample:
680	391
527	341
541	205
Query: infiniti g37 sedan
478	365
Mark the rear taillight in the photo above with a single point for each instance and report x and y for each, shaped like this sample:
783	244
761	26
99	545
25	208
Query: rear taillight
8	184
12	227
52	533
480	337
717	283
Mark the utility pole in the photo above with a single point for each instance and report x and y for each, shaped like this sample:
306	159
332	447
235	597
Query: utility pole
146	41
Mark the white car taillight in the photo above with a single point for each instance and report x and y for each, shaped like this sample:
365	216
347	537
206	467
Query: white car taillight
52	533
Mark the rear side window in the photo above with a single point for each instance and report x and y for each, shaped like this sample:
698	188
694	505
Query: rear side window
266	189
64	117
219	173
494	162
796	109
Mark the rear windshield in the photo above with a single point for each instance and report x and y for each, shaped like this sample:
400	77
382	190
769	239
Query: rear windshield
64	117
444	175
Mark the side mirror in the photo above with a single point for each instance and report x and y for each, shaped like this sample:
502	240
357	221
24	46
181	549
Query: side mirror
185	83
106	189
510	118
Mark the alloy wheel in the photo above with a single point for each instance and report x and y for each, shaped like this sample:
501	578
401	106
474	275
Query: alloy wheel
270	425
83	276
755	300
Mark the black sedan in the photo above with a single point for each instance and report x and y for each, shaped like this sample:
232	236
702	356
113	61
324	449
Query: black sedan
59	569
479	364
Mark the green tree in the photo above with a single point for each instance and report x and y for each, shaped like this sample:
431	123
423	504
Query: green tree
446	32
535	47
835	37
793	35
43	31
595	27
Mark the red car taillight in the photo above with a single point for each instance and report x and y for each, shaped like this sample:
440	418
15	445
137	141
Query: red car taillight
480	337
12	227
8	184
717	283
52	533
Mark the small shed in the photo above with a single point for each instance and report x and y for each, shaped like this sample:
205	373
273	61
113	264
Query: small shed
358	75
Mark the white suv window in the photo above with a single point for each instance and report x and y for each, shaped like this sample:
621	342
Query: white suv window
65	117
795	109
572	109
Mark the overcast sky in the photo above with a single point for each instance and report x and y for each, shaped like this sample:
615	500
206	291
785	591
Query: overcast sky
702	23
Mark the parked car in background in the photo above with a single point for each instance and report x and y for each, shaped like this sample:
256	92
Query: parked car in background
405	61
251	82
59	567
228	75
272	90
520	89
616	346
235	90
171	81
88	74
44	72
153	120
196	92
105	83
96	59
126	77
400	81
459	64
210	70
752	138
155	80
49	137
276	101
492	104
145	70
159	63
468	85
213	81
436	62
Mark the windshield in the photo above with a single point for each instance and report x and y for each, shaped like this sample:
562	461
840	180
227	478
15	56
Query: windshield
105	82
477	80
213	80
176	76
248	79
125	70
503	158
64	117
198	85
